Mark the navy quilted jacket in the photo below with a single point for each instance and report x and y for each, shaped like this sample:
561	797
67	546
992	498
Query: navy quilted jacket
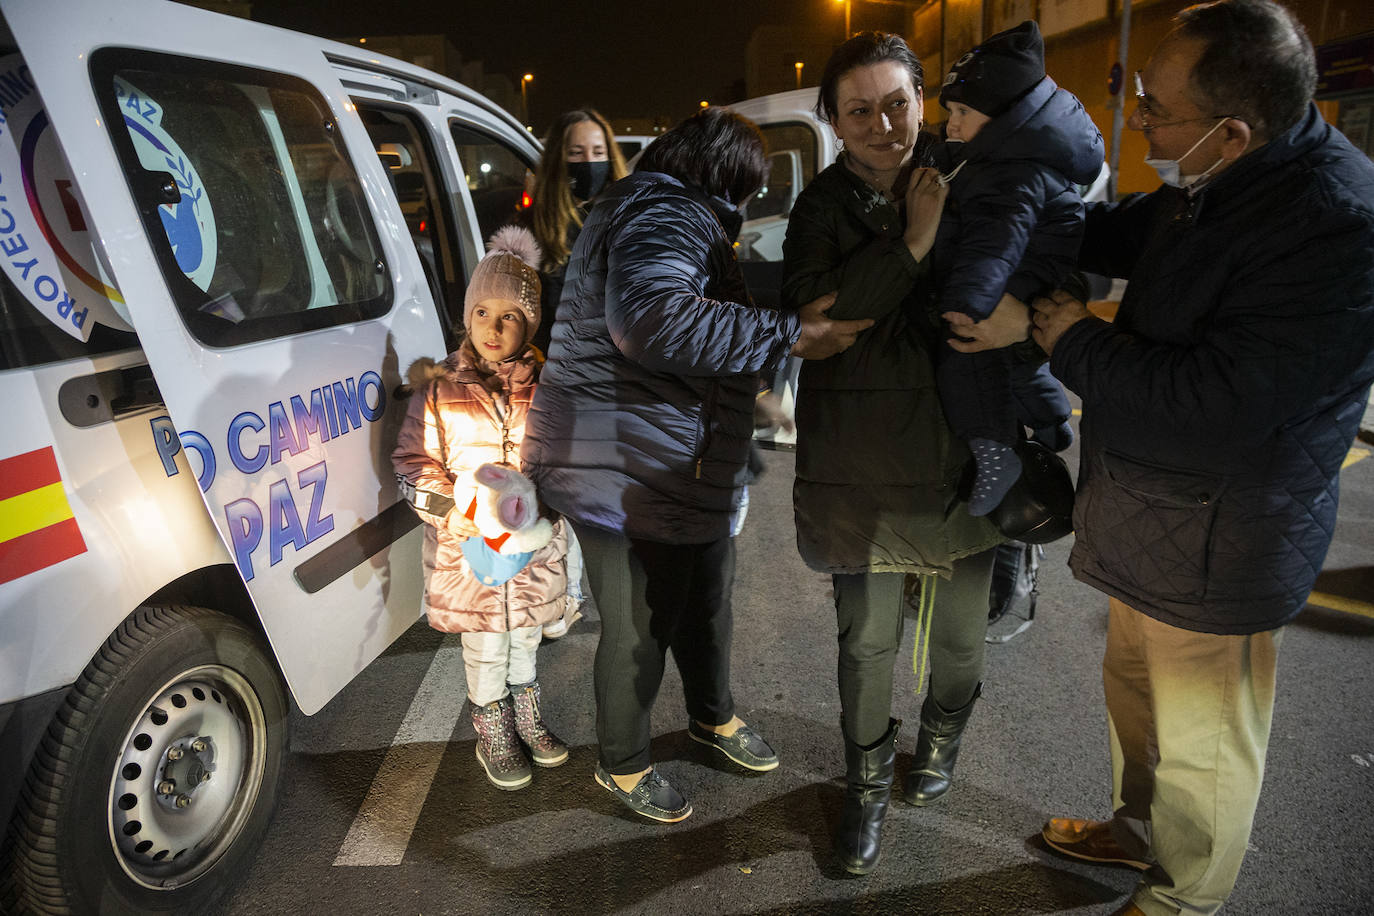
1014	219
1218	408
643	416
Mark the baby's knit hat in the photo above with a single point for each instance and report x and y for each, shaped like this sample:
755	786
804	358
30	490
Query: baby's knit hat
507	273
995	74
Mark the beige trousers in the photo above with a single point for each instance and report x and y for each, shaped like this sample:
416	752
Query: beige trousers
1189	715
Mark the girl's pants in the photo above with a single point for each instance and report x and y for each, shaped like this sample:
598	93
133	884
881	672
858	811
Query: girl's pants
574	560
654	597
869	607
493	660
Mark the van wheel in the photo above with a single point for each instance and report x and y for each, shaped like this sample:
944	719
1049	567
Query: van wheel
158	776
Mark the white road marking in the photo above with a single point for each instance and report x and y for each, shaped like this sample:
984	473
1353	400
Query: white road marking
382	828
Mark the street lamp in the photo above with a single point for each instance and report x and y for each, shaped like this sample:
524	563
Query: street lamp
799	66
847	4
524	97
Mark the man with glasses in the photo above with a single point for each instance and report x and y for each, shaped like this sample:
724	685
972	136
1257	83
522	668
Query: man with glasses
1217	410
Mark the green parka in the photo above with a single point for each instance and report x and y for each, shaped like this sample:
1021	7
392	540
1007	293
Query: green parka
877	465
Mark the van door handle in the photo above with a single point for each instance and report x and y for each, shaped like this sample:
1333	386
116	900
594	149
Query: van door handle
95	398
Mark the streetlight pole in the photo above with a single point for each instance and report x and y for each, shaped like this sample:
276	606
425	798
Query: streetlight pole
524	98
1119	102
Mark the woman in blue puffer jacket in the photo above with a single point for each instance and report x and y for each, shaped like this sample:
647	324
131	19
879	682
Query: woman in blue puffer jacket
640	429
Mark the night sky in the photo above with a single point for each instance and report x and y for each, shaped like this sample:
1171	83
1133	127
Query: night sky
628	58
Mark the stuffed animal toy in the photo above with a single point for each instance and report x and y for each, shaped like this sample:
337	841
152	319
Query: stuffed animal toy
506	511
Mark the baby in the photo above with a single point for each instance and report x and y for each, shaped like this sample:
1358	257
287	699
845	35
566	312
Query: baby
1015	147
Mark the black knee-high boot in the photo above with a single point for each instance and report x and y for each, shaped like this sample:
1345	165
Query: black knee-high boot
869	786
937	749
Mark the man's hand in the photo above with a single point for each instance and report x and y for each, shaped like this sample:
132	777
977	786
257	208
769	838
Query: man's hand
1053	316
821	337
459	525
1008	324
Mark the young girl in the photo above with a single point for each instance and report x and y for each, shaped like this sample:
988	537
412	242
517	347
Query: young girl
473	412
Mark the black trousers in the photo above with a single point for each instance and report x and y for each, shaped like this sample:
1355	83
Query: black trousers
656	597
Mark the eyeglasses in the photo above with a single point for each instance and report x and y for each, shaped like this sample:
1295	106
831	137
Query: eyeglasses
1142	104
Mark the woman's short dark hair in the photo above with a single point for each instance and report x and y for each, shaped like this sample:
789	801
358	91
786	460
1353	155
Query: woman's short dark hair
716	150
1257	63
862	50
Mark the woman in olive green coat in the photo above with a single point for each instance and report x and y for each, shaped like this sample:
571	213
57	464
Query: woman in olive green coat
878	468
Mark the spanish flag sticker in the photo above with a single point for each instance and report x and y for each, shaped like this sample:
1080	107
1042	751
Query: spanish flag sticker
37	528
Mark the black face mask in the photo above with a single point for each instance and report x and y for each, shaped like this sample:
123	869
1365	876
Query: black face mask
588	178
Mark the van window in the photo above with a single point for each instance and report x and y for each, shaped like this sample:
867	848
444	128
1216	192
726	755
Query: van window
495	174
786	145
247	192
792	148
403	145
793	136
776	196
27	338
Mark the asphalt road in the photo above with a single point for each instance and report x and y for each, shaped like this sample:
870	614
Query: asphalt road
385	809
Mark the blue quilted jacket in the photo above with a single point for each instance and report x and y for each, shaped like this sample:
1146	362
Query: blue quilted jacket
1218	408
642	420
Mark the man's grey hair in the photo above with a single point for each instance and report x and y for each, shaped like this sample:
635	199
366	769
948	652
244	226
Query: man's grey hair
1257	63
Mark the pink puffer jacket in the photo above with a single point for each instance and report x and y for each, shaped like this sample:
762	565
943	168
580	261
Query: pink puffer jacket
454	424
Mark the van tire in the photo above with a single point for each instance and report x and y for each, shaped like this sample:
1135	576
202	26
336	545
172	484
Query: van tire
174	694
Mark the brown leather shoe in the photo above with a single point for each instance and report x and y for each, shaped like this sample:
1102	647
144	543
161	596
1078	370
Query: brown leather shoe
1091	841
1130	909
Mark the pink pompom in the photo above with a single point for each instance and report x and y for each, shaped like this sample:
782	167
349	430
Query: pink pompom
518	242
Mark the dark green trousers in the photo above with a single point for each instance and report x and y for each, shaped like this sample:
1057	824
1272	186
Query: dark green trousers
870	610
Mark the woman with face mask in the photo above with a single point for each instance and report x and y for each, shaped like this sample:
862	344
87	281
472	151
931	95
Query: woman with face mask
580	159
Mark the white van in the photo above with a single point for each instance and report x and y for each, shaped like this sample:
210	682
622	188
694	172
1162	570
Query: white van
798	146
221	246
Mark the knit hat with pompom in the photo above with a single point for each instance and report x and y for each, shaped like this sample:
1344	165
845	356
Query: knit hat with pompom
507	273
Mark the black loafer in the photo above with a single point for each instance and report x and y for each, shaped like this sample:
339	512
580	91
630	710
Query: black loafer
651	797
746	746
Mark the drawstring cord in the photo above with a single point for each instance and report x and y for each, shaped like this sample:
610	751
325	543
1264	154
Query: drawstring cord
946	179
920	653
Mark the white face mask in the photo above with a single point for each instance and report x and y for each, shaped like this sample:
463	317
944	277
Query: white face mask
1171	170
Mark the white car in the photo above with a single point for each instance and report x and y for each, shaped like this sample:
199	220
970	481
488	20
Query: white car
224	245
631	145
